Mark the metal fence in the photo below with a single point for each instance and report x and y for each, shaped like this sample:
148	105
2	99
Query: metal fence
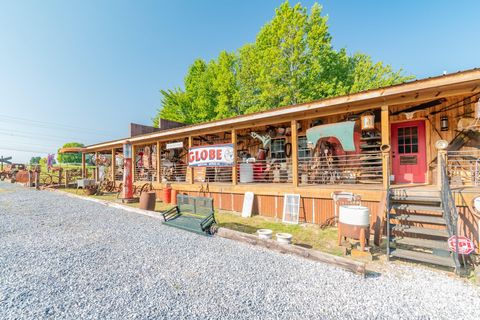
345	169
464	167
265	171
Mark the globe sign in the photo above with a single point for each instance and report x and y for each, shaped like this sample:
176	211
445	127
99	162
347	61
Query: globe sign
465	245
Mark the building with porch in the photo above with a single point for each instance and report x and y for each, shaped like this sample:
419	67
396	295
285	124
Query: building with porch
378	144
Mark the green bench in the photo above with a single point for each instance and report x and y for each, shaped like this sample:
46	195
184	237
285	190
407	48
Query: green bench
193	214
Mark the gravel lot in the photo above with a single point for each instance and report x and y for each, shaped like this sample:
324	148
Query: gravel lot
62	257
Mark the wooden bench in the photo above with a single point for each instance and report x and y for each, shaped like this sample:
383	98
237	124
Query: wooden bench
193	214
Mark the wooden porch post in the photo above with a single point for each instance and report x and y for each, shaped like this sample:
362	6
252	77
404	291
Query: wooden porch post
134	158
159	163
294	153
234	168
385	120
190	169
113	165
84	167
95	174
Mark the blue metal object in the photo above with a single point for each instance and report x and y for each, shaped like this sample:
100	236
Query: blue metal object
343	131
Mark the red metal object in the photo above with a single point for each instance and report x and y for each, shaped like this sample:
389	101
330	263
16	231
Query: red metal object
465	245
409	153
173	199
127	192
167	194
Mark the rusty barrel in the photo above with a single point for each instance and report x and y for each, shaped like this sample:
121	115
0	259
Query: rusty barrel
167	194
147	200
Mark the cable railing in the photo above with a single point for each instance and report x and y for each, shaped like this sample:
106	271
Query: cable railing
450	213
212	174
464	167
173	171
342	169
264	171
145	163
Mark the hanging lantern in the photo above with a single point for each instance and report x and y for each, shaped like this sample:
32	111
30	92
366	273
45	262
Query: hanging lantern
368	121
444	123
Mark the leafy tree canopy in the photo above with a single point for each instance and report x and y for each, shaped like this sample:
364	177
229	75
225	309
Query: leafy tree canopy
70	157
35	160
291	61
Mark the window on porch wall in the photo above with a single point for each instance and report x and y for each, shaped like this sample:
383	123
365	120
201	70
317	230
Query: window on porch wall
145	163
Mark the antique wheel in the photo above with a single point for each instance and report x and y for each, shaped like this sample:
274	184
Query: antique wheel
119	190
46	180
213	229
145	188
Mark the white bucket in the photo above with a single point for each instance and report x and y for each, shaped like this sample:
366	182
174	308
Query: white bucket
354	215
284	238
264	233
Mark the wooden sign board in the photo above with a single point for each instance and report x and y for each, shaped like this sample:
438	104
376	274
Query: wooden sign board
247	204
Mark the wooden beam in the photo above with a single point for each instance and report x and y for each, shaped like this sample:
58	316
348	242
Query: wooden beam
385	120
96	175
134	157
113	165
84	167
234	169
159	163
293	126
345	263
190	171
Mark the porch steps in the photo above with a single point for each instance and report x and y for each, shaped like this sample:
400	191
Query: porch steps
423	257
429	219
416	207
422	243
418	231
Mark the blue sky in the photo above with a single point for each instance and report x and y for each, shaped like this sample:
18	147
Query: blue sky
83	70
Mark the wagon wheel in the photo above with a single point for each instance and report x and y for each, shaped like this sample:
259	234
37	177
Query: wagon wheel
119	190
145	188
47	180
213	229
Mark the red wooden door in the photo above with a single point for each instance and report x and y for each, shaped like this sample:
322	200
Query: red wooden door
409	155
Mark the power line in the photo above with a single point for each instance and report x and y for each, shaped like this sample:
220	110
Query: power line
23	150
53	125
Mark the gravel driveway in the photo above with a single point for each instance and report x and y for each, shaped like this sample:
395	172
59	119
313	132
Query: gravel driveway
62	257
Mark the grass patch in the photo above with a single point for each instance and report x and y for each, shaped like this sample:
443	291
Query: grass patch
309	236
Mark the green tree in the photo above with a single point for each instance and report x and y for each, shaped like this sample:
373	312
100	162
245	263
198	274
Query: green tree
35	160
291	61
70	157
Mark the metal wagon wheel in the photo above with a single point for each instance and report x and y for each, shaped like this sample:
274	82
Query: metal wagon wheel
47	180
119	190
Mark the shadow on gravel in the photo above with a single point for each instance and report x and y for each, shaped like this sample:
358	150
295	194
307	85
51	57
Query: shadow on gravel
372	275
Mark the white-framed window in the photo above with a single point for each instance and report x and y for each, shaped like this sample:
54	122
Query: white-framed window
277	149
303	150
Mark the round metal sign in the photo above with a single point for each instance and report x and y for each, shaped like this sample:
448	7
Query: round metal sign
465	245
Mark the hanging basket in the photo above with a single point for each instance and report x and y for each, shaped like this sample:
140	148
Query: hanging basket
368	121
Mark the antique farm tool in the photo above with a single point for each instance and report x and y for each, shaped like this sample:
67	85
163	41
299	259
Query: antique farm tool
5	160
343	131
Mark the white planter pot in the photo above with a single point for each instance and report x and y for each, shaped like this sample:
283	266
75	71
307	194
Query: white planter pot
264	233
284	238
